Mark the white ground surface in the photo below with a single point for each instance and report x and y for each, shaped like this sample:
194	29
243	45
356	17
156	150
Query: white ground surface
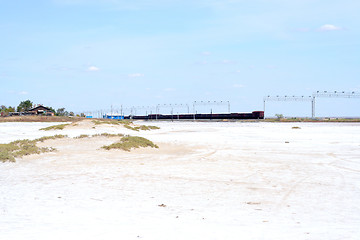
215	181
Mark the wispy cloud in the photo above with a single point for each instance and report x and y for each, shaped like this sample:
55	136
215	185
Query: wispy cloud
135	75
323	28
206	53
329	27
23	93
93	69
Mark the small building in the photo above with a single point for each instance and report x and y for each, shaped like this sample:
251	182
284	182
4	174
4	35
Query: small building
113	116
40	110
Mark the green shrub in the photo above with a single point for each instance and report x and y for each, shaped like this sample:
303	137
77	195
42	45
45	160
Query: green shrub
153	127
128	142
20	148
111	122
108	135
83	136
6	156
131	128
141	127
127	124
50	137
126	121
55	127
8	147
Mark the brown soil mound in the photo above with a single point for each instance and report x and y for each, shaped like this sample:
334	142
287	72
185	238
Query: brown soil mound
39	119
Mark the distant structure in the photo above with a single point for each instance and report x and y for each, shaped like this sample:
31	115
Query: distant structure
40	110
113	116
312	99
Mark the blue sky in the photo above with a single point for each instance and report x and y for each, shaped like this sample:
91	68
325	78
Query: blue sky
90	55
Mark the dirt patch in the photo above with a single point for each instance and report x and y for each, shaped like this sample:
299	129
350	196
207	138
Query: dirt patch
40	119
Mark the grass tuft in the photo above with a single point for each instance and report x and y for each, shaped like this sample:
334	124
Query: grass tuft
55	127
131	128
126	123
83	136
296	127
110	121
20	148
6	156
129	142
141	127
108	135
42	139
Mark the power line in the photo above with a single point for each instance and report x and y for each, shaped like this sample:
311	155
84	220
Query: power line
312	98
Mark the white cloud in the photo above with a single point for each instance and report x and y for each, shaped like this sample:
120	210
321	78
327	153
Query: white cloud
135	75
329	27
23	93
93	69
206	53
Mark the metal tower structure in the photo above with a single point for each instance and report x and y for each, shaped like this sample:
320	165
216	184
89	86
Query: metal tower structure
292	98
317	94
172	107
335	94
148	109
210	103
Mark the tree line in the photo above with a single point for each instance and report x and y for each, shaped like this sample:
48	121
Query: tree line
27	105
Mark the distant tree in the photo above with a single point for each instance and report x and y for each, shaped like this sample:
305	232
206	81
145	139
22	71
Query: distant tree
72	114
10	109
6	110
60	112
3	111
24	106
279	116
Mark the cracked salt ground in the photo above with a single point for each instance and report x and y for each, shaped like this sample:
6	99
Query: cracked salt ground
206	181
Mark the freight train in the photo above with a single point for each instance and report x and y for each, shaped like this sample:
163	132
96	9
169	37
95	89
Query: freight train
199	116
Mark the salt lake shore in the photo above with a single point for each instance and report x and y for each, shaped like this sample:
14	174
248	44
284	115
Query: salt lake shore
206	180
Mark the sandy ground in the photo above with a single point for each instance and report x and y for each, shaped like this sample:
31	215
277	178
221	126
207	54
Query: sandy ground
206	181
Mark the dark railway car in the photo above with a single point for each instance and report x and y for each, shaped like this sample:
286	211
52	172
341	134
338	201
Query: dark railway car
258	114
200	116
